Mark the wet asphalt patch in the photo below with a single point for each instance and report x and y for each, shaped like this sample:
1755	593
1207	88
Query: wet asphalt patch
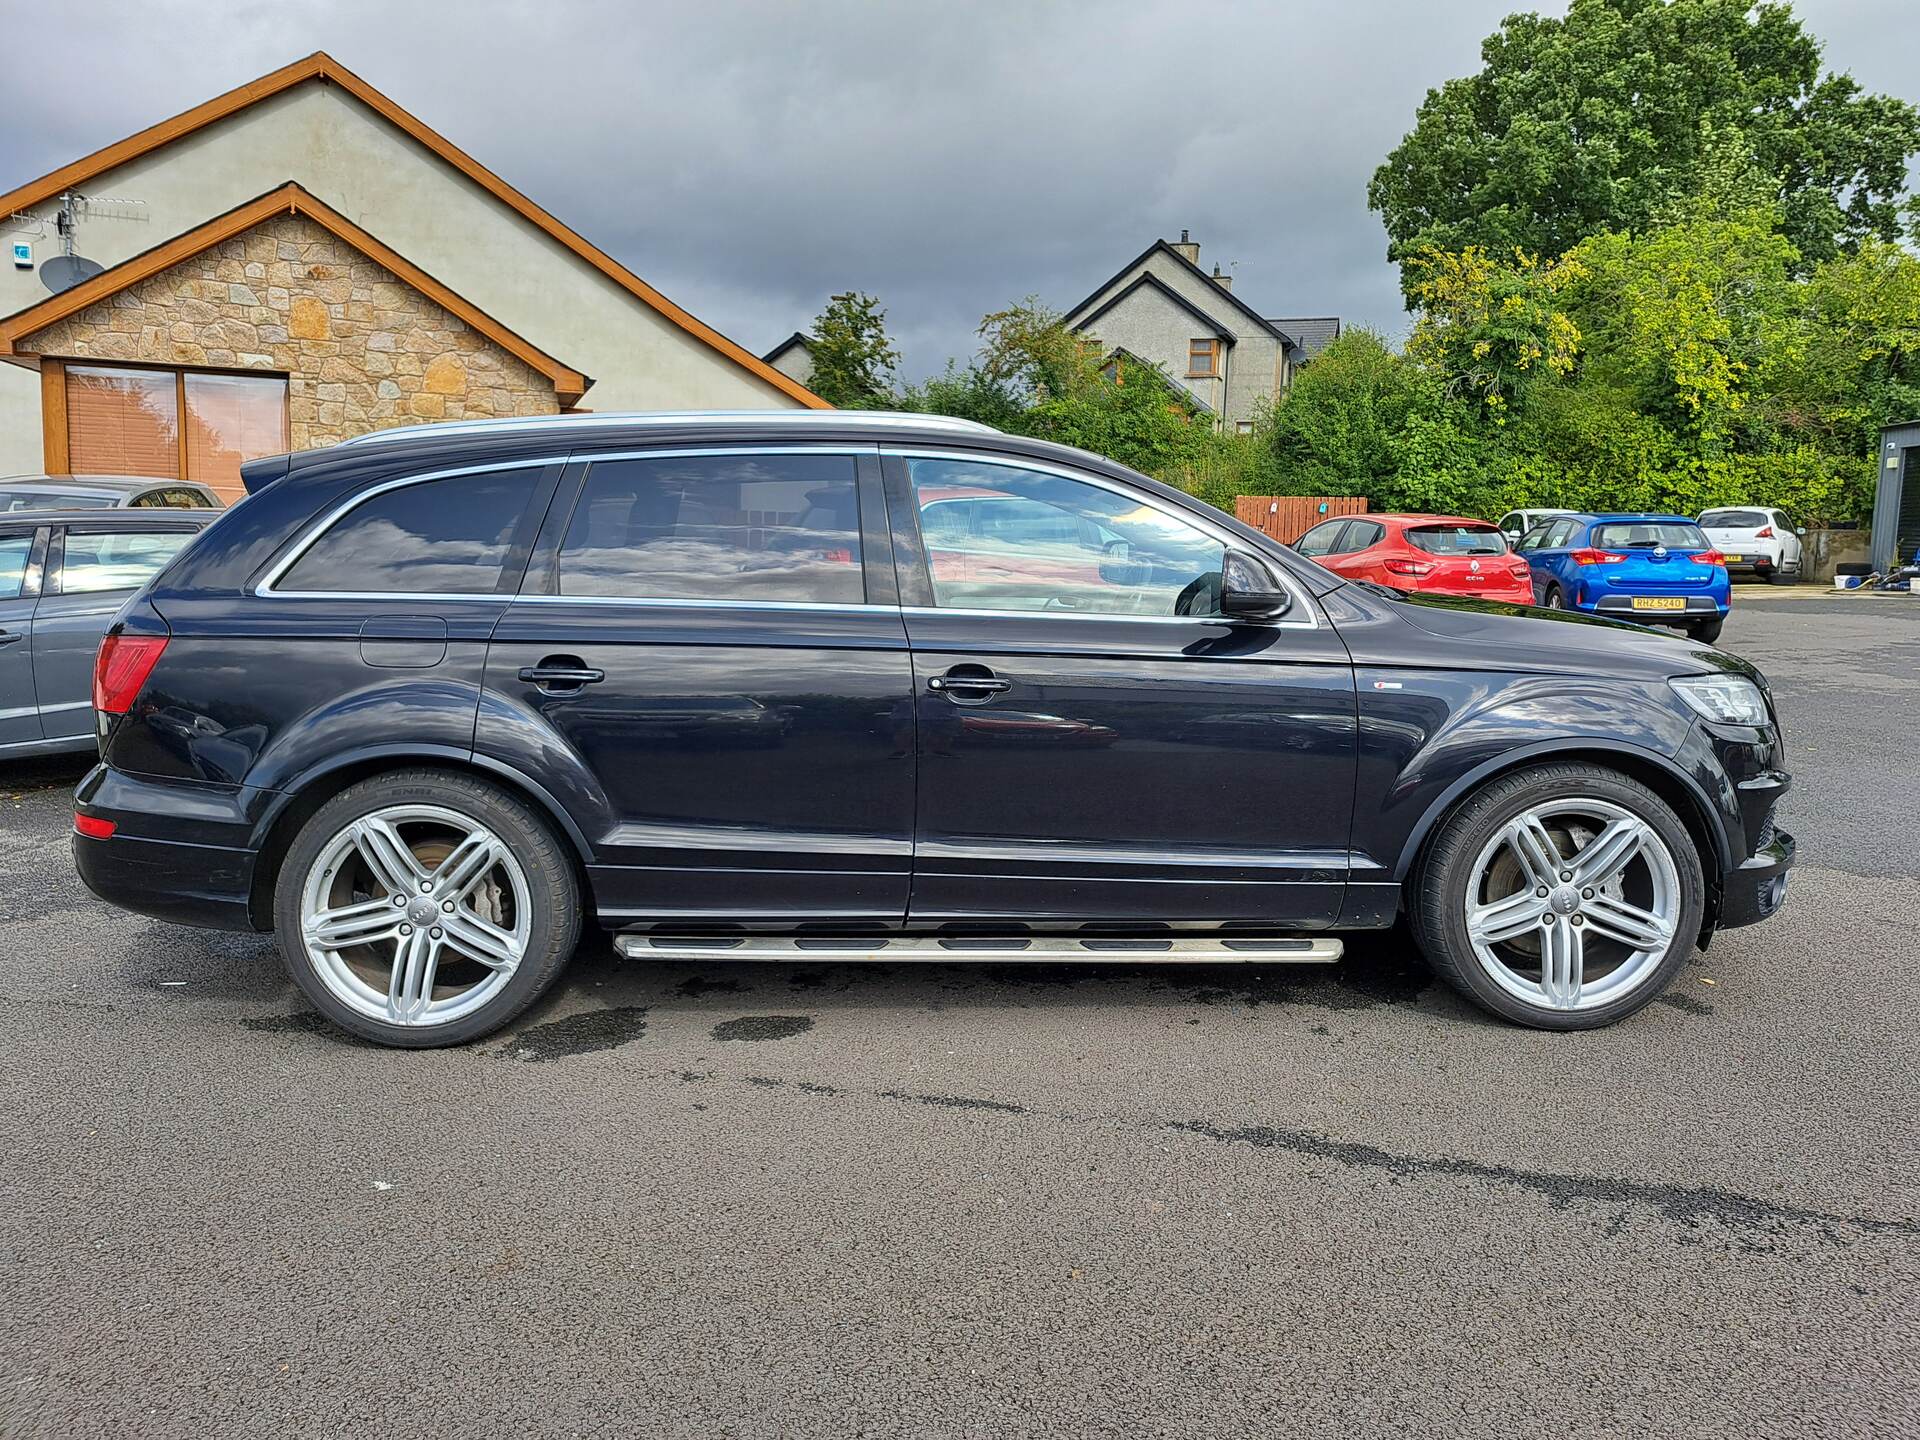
763	1027
581	1034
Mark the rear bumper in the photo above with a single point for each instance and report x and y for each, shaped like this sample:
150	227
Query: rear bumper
1755	890
166	857
1696	607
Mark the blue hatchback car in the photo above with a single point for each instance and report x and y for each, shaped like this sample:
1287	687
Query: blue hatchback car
1657	569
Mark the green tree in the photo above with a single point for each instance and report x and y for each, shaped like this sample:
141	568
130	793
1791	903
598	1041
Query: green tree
1028	350
1492	329
853	360
1606	119
1338	428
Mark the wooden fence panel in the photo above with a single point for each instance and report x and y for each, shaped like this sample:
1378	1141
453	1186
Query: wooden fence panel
1287	517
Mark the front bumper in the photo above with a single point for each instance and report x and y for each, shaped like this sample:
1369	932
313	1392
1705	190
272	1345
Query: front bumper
1755	890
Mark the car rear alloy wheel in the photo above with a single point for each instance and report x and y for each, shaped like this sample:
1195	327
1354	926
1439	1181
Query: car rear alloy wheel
425	908
1563	897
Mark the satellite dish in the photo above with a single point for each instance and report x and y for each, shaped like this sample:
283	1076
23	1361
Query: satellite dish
63	272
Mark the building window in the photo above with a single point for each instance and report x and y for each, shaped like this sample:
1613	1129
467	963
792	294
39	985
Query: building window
1243	427
172	424
1203	358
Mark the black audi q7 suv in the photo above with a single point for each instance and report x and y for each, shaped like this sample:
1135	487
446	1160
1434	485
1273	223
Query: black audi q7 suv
859	686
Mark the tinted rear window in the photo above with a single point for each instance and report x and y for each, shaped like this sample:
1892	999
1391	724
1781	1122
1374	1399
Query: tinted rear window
45	500
1648	535
1459	539
717	527
1734	519
14	550
440	537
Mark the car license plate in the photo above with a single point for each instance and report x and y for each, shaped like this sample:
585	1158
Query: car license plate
1733	559
1658	602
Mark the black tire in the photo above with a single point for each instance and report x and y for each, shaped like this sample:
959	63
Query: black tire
1553	599
1707	631
552	883
1437	906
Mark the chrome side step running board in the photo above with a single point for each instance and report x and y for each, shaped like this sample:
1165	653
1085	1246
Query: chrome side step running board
1000	950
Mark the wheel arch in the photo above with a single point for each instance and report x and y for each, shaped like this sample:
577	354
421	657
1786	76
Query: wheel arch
281	822
1659	774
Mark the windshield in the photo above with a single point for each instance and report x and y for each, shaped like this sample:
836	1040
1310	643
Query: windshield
1649	535
1459	539
51	500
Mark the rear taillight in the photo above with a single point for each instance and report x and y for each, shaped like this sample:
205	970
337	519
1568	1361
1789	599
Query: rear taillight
1595	557
121	668
93	827
1408	567
1765	532
1709	557
1521	570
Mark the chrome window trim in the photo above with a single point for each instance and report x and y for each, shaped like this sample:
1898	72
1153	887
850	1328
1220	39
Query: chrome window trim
669	419
1302	602
267	587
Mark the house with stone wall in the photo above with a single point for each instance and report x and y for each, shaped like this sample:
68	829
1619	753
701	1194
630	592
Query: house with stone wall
315	263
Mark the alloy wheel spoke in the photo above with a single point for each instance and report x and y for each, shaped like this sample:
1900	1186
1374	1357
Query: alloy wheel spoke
1621	920
364	922
1562	963
1534	848
1506	919
1609	852
481	940
387	856
410	984
465	866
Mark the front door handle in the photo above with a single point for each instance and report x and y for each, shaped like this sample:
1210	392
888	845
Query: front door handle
968	684
11	637
560	675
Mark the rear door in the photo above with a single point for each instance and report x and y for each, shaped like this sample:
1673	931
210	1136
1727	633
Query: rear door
93	568
709	654
1547	550
22	552
1351	555
1096	742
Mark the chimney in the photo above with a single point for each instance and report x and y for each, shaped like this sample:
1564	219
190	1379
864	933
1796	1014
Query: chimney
1224	281
1188	249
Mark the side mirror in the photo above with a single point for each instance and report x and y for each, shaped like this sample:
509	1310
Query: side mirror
1513	537
1248	590
1799	529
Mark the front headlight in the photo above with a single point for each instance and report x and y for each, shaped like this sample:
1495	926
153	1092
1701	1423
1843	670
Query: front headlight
1728	699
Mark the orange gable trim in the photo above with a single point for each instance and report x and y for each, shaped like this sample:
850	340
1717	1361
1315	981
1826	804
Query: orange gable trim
569	384
323	67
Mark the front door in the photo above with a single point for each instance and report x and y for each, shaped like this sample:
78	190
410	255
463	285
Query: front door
93	569
21	549
1096	743
712	643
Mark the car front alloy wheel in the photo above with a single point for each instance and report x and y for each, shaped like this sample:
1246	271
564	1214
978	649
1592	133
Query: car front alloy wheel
1563	897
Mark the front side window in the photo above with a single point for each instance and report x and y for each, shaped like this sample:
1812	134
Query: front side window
438	537
750	526
1321	539
174	497
14	550
116	560
1203	357
1002	537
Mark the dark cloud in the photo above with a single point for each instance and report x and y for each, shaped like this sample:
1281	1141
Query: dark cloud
751	158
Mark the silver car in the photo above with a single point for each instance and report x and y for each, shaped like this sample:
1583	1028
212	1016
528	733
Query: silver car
102	492
64	574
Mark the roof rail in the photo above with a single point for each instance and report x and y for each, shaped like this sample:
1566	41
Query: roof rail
664	419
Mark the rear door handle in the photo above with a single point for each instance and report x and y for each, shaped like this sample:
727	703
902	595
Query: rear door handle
968	685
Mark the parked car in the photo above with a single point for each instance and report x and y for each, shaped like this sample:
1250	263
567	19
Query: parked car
102	492
1516	523
1755	539
1433	554
64	574
1657	569
399	707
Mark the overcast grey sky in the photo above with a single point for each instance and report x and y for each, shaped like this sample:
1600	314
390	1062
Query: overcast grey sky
751	158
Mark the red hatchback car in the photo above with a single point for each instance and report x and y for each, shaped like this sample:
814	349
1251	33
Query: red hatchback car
1433	554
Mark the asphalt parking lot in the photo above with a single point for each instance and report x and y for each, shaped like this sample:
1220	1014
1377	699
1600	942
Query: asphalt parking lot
775	1200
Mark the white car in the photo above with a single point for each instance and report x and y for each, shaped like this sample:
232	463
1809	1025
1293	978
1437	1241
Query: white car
1516	523
1756	540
